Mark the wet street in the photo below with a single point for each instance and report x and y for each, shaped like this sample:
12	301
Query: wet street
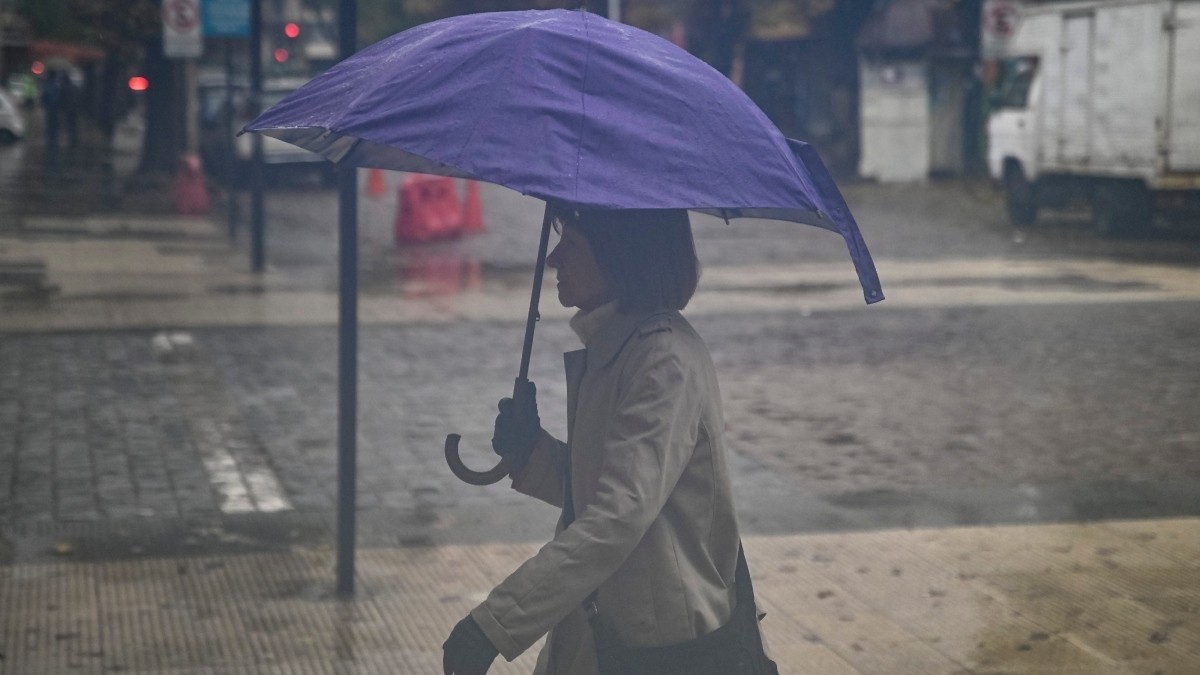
1023	398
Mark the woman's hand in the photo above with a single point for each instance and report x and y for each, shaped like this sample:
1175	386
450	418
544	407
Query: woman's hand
517	431
467	651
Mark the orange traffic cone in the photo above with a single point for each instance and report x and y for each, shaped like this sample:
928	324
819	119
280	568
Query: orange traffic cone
188	188
375	187
472	209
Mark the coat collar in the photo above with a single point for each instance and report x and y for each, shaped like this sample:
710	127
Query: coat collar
603	346
608	340
586	323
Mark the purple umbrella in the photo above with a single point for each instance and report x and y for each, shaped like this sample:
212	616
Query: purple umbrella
571	108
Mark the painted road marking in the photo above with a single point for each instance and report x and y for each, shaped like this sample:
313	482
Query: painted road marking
241	478
239	488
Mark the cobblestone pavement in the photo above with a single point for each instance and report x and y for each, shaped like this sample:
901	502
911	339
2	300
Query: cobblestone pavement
206	421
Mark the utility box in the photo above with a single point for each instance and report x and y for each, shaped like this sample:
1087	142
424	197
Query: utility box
917	91
1100	103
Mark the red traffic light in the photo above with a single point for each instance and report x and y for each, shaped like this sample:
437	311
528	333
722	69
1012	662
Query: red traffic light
292	30
139	83
281	55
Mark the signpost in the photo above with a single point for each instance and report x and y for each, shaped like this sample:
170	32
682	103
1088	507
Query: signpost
182	36
1000	19
228	19
183	39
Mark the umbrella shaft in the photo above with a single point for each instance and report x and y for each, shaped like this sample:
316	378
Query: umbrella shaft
535	297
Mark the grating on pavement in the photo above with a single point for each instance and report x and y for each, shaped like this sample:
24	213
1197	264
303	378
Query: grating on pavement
1067	599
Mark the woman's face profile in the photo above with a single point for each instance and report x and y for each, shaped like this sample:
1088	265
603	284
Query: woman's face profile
580	282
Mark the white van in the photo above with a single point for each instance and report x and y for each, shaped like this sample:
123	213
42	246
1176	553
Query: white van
1100	103
216	143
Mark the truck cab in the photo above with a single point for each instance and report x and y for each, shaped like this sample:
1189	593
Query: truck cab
1012	136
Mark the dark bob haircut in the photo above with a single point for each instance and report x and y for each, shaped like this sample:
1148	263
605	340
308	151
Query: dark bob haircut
647	256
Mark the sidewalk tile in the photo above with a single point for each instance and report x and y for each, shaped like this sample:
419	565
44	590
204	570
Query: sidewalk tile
931	601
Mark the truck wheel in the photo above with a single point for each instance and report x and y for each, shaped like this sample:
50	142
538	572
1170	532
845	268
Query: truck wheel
1121	208
1019	196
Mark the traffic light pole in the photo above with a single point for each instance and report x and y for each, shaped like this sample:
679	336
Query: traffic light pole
258	224
231	183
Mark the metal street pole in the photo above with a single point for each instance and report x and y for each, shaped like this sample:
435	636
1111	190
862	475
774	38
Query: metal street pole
191	126
257	213
3	30
347	335
230	167
614	10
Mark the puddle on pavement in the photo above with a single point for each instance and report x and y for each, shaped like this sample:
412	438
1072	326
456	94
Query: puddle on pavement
1073	282
238	289
131	296
1070	282
786	289
427	275
250	533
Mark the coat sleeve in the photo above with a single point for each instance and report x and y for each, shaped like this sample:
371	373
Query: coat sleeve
541	477
650	440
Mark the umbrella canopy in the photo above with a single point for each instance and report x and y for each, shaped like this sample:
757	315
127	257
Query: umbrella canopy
568	107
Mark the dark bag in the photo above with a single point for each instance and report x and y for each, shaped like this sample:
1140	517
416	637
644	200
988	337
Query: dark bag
733	649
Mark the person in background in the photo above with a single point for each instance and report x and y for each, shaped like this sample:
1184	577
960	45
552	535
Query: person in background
52	107
71	103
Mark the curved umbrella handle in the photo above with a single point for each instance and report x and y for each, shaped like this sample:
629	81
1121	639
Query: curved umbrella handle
505	466
467	475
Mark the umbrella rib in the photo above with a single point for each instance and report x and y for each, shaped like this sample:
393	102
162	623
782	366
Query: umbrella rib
587	58
491	107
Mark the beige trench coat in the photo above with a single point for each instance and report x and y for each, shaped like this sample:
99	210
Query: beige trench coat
655	527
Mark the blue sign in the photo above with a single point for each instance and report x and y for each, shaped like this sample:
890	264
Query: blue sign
226	18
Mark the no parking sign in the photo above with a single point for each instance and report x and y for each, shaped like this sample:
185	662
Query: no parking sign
1000	19
182	36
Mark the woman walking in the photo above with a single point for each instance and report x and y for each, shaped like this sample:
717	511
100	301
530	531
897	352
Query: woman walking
648	545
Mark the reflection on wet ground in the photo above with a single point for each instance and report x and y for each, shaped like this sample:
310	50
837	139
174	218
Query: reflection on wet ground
1074	282
421	274
74	181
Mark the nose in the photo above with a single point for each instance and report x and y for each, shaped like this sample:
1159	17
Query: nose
552	259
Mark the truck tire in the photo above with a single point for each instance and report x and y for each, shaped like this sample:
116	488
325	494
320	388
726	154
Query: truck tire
1020	196
1121	207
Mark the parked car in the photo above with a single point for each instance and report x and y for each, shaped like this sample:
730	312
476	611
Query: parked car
229	155
12	120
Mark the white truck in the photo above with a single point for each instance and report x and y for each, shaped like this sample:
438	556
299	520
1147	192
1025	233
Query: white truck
1100	103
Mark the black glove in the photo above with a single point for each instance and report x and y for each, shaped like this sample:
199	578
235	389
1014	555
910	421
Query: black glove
516	435
467	651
